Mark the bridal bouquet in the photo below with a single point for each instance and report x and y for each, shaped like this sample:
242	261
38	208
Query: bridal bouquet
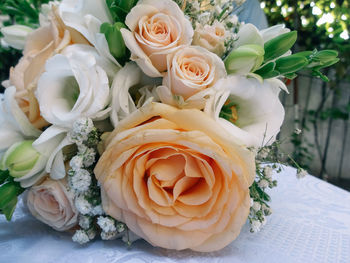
145	119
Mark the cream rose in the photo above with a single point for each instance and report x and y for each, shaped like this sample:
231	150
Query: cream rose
192	71
176	179
211	37
51	203
157	28
52	37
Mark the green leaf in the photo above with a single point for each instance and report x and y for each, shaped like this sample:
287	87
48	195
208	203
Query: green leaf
291	64
115	40
290	76
8	191
4	175
267	71
279	45
10	208
127	5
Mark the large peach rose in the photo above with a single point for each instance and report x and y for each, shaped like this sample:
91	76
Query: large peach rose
176	179
157	28
51	203
52	37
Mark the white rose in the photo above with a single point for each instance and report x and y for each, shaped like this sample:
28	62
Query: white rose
192	72
51	203
72	87
211	37
256	114
157	28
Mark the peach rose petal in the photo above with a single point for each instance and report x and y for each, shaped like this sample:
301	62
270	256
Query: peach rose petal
175	180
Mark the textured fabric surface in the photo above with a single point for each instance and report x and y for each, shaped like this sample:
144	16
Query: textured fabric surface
310	223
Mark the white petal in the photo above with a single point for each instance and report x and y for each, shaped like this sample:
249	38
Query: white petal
273	31
248	34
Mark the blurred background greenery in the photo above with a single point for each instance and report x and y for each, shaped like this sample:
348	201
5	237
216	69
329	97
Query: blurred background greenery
321	110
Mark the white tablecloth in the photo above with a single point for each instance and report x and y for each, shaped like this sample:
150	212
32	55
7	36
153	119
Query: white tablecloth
310	223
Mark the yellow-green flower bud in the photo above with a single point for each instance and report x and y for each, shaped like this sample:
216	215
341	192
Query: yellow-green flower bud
244	59
20	159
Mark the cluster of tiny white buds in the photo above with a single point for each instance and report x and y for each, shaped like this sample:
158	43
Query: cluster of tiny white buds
297	131
263	153
85	221
268	171
80	181
76	162
107	224
83	206
301	173
256	206
97	210
80	131
81	237
255	226
109	235
263	183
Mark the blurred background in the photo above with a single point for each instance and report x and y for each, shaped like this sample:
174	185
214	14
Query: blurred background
321	110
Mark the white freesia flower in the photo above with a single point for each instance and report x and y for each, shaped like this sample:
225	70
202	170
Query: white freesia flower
249	35
157	28
257	114
192	73
86	16
130	77
16	35
72	87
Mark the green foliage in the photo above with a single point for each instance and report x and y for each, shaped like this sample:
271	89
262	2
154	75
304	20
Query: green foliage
9	191
23	12
320	24
120	8
115	41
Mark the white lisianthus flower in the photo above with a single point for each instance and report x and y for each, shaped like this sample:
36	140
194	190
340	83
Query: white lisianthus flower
257	113
157	28
130	76
72	87
86	16
192	73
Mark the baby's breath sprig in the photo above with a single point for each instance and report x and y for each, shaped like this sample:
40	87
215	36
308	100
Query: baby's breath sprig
259	208
269	160
82	182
